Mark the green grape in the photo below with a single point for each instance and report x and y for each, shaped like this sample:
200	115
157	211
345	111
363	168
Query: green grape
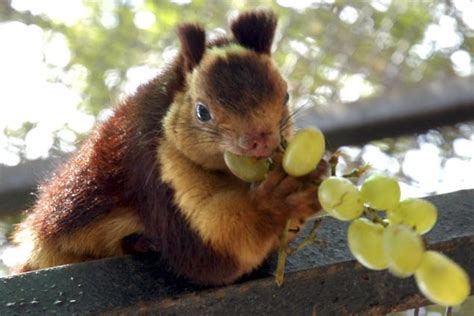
403	249
365	241
442	280
417	213
246	168
304	152
381	192
340	198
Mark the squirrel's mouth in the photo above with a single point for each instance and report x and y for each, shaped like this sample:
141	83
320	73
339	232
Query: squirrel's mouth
262	154
255	153
261	144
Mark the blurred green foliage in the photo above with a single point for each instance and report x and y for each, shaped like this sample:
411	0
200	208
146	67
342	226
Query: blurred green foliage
376	44
322	47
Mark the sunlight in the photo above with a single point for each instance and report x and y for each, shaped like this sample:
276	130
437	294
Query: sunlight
443	35
68	12
354	87
462	63
181	2
137	76
349	15
380	160
38	142
457	175
423	165
464	147
467	8
21	64
26	62
56	50
330	73
381	5
302	4
7	157
144	19
299	47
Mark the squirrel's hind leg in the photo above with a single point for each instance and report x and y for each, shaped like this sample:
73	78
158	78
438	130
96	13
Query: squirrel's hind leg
103	238
33	253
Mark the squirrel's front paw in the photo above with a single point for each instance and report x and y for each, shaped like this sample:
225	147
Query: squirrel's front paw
285	197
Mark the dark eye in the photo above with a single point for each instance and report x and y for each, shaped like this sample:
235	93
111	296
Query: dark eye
202	113
287	98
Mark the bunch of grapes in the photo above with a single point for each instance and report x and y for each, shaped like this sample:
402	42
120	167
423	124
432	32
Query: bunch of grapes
388	235
384	233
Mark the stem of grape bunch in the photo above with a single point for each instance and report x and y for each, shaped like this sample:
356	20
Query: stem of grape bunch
282	254
285	250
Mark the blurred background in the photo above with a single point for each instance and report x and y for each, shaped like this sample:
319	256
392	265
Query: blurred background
65	64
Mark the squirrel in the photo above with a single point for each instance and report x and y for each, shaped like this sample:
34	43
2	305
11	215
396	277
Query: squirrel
152	176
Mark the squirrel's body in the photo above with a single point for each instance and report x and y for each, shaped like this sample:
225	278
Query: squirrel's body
152	177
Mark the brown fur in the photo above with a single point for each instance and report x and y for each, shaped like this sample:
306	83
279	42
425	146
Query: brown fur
153	177
240	82
193	44
96	240
243	28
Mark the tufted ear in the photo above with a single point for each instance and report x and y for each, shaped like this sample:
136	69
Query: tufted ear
255	30
192	38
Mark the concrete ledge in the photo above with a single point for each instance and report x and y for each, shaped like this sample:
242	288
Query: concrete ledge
319	280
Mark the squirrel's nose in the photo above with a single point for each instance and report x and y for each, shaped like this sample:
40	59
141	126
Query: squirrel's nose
260	144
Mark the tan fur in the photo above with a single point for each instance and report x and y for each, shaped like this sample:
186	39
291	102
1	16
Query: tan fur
217	207
101	239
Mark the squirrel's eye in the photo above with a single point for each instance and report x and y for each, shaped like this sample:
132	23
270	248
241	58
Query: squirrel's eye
287	98
202	113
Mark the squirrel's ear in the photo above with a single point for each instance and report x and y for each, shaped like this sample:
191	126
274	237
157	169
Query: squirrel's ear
255	30
192	38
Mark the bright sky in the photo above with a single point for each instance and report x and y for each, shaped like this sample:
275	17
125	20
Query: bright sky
33	58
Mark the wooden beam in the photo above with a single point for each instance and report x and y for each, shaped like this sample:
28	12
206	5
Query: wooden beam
404	111
319	280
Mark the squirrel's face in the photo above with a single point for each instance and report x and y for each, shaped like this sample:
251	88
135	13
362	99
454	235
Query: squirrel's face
235	98
237	101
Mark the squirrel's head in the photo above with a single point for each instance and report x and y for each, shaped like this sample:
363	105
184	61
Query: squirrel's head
235	98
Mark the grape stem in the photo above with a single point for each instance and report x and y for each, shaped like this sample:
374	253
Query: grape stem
333	160
374	216
284	250
449	311
310	238
357	172
282	254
